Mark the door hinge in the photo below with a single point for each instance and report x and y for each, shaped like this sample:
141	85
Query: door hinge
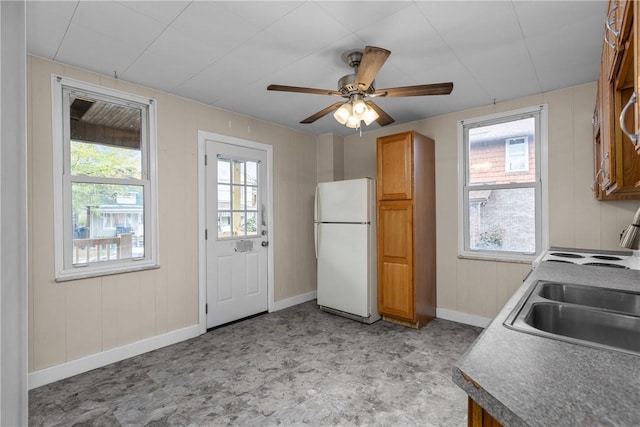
206	309
206	234
205	159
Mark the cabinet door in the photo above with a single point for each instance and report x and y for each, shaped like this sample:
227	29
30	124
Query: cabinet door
395	167
395	260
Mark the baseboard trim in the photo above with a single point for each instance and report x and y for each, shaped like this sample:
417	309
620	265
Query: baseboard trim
460	317
298	299
98	360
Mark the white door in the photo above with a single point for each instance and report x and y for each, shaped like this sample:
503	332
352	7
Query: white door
237	235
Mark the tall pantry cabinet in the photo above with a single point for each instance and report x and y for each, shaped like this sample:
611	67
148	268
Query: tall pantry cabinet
406	228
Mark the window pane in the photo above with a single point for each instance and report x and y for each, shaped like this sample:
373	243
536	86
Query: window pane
252	223
238	224
108	222
224	171
238	172
502	220
488	156
238	198
106	161
105	138
224	197
252	173
224	224
252	198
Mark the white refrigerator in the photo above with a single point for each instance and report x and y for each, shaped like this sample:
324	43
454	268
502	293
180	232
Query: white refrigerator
345	242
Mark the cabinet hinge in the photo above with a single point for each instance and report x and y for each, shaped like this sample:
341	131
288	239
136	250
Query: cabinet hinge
206	309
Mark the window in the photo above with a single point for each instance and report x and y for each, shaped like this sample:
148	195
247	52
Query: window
502	184
517	155
237	198
104	180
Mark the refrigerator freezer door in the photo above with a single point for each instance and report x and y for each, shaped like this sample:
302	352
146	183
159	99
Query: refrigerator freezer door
343	267
343	201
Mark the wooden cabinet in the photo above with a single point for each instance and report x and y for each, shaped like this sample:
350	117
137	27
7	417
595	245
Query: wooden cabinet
616	118
406	229
477	416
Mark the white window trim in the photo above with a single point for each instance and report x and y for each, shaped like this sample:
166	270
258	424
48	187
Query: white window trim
507	155
542	195
62	201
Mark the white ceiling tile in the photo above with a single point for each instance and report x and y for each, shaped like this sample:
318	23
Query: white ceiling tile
47	22
214	26
304	30
94	51
118	22
355	15
260	14
157	71
164	13
188	51
571	57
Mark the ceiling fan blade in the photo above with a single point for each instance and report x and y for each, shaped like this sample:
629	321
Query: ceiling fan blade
371	62
383	118
298	89
419	90
322	113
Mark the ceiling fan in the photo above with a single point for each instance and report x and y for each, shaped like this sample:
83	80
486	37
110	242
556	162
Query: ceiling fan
359	86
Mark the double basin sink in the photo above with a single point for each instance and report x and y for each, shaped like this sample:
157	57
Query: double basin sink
598	317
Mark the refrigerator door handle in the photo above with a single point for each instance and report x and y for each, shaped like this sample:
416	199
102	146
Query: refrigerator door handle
315	238
315	206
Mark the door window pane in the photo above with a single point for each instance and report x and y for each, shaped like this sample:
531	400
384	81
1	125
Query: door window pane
238	172
252	173
224	171
224	197
238	202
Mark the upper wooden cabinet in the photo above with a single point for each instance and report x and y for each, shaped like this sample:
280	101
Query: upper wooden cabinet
616	121
395	167
406	229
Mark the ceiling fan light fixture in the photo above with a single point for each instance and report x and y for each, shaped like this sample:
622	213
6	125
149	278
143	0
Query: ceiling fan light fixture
370	116
353	122
359	107
343	113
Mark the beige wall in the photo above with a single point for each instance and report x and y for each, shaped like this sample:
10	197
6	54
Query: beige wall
330	153
576	219
78	318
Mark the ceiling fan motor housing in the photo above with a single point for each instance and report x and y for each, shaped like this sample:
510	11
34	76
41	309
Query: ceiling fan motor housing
347	86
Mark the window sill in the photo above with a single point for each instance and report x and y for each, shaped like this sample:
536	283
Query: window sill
516	259
88	272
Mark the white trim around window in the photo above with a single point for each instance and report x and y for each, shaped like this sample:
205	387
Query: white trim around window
481	187
65	229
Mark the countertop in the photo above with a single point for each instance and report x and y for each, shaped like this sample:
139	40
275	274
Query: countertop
527	380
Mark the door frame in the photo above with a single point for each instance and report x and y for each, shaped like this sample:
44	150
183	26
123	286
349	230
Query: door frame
203	137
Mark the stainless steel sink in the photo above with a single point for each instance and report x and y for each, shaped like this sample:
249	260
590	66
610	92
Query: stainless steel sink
609	299
597	317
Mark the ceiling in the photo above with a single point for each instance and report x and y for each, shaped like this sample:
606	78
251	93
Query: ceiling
226	53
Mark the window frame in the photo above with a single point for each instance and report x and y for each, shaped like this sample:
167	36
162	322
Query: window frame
62	181
507	154
540	184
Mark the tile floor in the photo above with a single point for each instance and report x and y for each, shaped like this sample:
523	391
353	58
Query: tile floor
298	366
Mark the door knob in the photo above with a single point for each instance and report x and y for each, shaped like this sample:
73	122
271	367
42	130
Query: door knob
265	244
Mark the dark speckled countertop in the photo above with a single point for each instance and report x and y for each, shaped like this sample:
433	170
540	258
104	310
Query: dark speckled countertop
527	380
